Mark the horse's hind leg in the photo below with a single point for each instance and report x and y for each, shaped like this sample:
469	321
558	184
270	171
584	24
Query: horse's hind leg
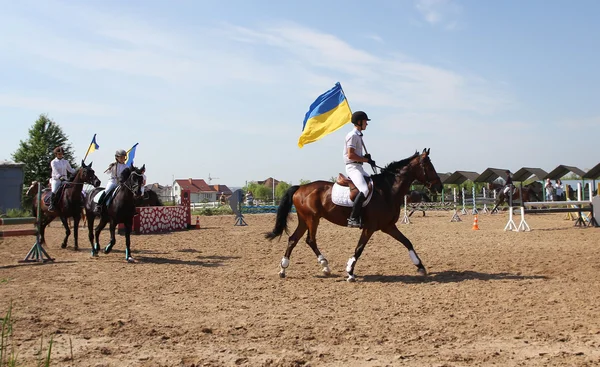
76	232
395	232
311	240
99	228
112	228
65	223
128	256
292	241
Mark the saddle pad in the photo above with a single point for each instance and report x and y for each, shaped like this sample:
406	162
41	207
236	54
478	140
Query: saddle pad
96	197
340	195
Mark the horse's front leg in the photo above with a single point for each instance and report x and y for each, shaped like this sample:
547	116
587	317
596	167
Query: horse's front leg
362	242
128	257
65	224
396	234
113	240
76	220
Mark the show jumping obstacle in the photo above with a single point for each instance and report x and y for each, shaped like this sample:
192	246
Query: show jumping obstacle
37	252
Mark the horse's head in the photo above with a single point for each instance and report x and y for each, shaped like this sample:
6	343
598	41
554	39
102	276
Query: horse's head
87	175
32	189
133	178
424	172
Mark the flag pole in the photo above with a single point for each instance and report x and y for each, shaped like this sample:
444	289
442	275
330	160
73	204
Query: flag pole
88	149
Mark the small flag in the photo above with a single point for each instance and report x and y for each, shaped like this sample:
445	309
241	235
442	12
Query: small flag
326	114
130	156
93	146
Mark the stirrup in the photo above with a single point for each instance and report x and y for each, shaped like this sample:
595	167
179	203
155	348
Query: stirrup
354	222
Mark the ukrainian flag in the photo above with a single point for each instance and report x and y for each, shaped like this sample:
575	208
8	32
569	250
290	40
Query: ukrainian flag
326	114
130	156
93	146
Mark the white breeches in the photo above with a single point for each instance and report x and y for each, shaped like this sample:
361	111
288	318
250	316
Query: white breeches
111	184
357	175
55	184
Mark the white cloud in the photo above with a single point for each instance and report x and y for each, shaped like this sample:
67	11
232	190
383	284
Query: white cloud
440	12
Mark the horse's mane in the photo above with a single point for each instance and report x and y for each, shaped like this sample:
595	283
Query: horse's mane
395	166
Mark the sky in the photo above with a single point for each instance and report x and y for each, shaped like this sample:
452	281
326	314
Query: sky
221	88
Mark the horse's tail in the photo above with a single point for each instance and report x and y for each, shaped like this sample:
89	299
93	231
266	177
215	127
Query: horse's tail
282	214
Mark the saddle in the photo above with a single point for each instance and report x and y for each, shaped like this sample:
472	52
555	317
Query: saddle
48	194
346	181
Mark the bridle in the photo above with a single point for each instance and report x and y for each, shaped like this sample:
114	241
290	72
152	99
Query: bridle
135	186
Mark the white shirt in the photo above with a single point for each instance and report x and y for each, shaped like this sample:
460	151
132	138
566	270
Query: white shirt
115	172
60	167
353	140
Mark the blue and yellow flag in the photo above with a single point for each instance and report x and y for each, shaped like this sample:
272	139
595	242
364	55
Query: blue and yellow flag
92	148
130	156
326	114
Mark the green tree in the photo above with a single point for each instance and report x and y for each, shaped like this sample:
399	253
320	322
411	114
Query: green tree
37	151
281	189
304	182
260	192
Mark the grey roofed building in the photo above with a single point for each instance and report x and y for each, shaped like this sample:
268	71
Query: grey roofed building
491	174
525	173
594	173
562	170
459	177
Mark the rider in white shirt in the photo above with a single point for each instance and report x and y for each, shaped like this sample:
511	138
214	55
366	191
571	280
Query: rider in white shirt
114	170
354	158
60	167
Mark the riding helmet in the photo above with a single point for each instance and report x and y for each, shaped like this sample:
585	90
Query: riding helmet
59	150
358	116
120	153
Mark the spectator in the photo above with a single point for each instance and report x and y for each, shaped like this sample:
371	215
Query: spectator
249	198
549	190
559	190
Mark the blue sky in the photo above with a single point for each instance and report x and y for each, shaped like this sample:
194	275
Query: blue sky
221	87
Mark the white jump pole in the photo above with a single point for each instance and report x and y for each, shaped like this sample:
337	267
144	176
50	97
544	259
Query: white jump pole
511	226
405	218
523	226
474	210
464	210
485	208
579	191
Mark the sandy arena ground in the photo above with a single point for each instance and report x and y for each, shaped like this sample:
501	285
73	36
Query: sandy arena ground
212	297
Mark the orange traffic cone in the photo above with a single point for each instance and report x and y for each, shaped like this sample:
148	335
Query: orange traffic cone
197	222
475	223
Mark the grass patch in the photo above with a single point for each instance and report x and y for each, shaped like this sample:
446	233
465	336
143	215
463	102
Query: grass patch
222	210
16	213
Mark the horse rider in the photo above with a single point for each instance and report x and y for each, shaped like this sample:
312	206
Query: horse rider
114	170
354	159
60	167
508	184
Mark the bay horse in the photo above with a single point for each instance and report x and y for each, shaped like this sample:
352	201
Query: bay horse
120	208
69	203
530	191
150	198
415	197
313	202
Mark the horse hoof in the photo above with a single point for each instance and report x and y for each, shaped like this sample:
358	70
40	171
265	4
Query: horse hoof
107	250
326	271
351	278
422	272
75	248
131	260
64	245
282	275
94	253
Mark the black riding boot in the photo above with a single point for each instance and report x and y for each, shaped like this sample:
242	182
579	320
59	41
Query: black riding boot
52	200
98	208
355	218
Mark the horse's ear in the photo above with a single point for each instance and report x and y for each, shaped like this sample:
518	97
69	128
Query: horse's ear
428	150
143	167
90	166
82	163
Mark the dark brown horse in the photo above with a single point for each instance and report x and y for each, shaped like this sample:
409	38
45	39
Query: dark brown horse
415	197
69	203
150	198
530	191
313	202
120	208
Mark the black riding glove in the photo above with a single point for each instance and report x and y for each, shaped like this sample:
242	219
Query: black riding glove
370	161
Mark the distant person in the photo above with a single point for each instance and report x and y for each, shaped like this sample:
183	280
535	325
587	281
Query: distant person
143	170
559	190
222	199
249	198
549	190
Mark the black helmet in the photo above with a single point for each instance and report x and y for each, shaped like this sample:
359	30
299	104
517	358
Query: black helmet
59	150
120	153
358	116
